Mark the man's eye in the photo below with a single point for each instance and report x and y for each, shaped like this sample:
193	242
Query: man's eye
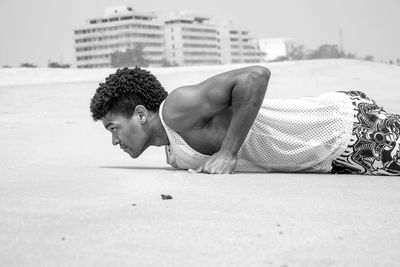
113	129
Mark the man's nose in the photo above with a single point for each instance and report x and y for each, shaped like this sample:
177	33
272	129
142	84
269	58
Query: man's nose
115	140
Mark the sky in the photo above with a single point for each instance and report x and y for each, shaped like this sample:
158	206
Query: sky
36	31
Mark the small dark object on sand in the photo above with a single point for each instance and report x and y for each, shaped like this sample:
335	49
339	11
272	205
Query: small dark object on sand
133	204
166	197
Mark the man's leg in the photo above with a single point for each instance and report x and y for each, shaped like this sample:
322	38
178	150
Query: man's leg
375	146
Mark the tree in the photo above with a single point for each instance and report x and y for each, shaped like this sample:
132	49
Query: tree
166	63
280	58
27	65
351	55
296	51
57	65
130	58
369	58
327	51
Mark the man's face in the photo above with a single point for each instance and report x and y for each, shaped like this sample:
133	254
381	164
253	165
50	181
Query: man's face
129	133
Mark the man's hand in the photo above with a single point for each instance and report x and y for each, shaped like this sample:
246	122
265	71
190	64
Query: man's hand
219	163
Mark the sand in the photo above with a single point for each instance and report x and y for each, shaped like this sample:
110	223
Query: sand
69	198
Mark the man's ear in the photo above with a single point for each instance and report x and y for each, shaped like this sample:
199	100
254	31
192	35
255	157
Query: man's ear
141	113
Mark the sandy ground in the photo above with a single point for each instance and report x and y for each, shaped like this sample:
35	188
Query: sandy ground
69	198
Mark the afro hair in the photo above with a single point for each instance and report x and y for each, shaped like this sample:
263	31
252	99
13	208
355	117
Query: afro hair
124	90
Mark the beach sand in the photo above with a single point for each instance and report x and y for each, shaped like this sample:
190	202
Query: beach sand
69	198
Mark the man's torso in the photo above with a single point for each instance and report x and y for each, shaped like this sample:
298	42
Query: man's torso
287	135
207	136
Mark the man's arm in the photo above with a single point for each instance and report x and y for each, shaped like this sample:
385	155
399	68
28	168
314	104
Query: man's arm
243	90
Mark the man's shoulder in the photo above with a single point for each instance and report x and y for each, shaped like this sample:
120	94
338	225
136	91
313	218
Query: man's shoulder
180	109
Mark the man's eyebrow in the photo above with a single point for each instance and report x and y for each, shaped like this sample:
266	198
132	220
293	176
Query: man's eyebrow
108	124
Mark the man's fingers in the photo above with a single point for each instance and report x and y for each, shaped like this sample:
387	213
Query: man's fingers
208	171
214	167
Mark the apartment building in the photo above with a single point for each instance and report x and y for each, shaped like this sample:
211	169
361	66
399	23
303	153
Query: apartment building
237	45
191	40
180	38
121	28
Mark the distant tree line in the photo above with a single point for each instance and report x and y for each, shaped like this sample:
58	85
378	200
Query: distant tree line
27	65
300	52
134	57
51	64
130	57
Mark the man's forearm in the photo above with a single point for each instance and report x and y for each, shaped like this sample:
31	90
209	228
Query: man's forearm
247	97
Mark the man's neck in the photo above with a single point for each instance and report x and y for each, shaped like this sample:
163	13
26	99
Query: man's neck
159	135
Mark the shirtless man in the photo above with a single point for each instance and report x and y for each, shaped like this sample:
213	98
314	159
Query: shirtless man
223	125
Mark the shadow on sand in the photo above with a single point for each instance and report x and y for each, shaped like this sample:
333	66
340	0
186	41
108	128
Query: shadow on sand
139	168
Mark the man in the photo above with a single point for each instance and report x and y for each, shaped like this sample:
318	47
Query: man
223	125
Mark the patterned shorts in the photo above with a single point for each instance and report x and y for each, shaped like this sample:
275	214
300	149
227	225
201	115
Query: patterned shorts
375	145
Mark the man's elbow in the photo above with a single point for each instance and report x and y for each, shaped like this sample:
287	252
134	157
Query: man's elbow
260	75
261	71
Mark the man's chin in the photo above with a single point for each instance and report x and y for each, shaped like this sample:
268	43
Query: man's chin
132	155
